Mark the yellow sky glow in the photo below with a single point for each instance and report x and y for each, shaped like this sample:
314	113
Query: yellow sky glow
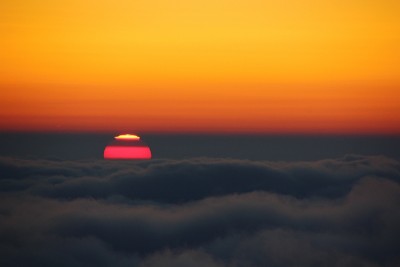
241	66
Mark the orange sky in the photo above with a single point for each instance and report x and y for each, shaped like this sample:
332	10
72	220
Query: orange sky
200	66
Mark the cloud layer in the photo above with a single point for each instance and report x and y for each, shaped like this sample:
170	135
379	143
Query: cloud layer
200	212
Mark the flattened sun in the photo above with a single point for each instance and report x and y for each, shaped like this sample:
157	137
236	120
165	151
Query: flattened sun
127	146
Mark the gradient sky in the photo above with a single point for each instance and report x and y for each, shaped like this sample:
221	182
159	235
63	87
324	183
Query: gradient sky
200	66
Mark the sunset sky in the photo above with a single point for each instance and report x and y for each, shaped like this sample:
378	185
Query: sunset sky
216	133
224	66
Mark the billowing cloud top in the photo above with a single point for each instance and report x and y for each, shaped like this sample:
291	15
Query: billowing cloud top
200	212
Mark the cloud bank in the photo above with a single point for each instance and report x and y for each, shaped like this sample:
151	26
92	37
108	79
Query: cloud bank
200	212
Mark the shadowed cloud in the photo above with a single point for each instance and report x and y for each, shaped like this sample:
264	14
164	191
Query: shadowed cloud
177	181
200	212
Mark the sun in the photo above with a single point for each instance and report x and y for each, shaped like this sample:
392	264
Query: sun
127	146
127	137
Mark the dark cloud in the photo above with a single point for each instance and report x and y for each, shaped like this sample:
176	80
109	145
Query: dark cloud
200	212
170	181
192	258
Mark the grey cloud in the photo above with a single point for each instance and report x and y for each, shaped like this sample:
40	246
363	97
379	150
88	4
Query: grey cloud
47	250
170	181
358	228
187	258
121	214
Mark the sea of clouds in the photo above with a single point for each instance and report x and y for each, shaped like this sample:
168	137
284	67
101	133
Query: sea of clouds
200	212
